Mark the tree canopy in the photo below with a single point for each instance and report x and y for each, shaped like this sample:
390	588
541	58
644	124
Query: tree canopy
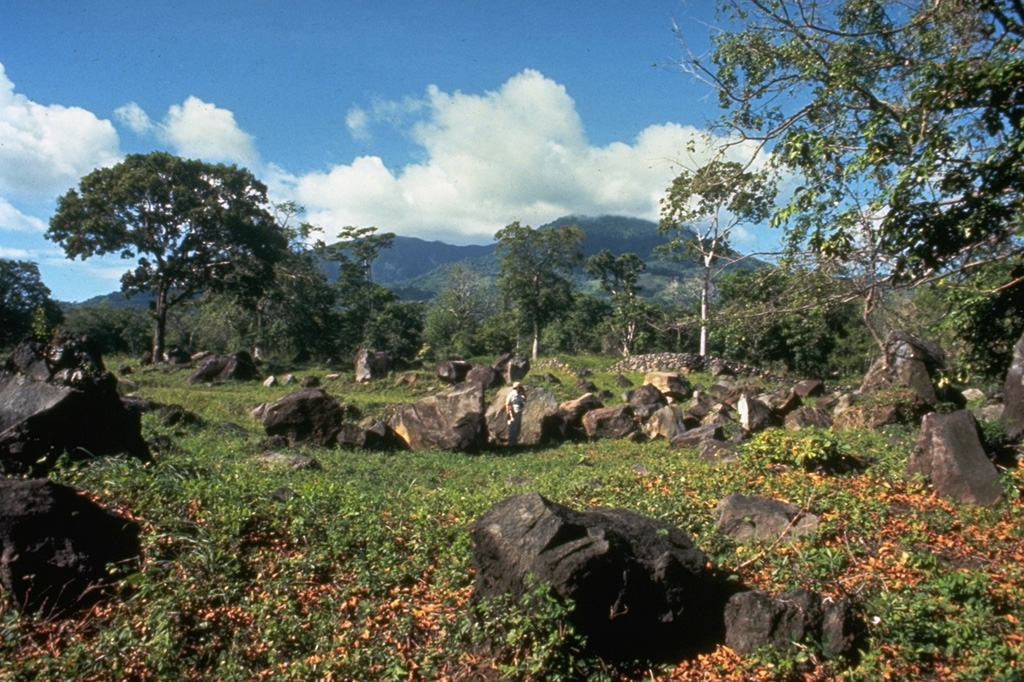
902	116
192	226
23	299
535	271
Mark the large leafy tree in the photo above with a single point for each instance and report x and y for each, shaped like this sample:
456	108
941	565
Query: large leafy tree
700	211
192	226
23	299
536	273
901	119
458	311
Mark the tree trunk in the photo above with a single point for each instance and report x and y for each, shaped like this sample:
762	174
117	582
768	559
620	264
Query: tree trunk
704	319
536	340
160	312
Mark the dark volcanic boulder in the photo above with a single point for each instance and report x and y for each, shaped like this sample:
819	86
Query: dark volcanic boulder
57	398
616	421
797	619
220	368
646	400
308	415
451	420
1013	393
666	423
512	367
485	375
452	371
372	365
950	455
59	551
640	588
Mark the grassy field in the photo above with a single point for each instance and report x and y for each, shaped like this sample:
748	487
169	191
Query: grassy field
361	570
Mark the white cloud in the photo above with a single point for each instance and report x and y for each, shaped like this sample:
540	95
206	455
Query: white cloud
198	129
134	117
517	153
358	123
13	220
14	254
44	150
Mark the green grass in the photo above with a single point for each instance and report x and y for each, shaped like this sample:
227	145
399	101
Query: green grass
364	574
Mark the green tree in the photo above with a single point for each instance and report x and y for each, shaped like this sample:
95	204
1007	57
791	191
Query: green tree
701	209
619	277
125	329
904	114
192	226
536	273
22	296
455	316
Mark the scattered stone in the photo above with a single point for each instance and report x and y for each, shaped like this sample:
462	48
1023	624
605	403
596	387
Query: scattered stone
719	452
284	494
623	382
696	438
973	395
485	375
809	388
450	420
176	415
57	397
286	461
950	455
512	367
542	421
310	382
1013	393
639	587
308	415
754	415
672	385
666	423
452	371
909	362
807	417
755	518
796	620
372	365
616	421
270	381
288	379
221	368
645	401
59	551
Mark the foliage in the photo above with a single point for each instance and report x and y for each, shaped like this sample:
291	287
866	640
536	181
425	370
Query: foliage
536	266
900	119
619	277
121	330
791	318
23	297
456	315
582	327
191	226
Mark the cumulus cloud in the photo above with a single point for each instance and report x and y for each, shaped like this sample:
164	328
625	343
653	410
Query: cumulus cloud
14	254
134	117
44	150
516	153
195	129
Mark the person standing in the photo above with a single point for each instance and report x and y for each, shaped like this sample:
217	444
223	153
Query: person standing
514	402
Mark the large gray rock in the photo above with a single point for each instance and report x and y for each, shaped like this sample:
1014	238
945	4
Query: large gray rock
638	585
542	419
950	455
1013	393
512	367
452	371
372	365
59	551
645	401
57	398
753	518
616	421
754	415
451	420
908	362
666	423
800	619
671	384
308	415
221	368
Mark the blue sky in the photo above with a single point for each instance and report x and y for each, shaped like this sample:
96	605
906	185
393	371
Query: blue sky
442	120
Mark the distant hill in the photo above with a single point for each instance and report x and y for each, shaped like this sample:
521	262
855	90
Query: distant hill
415	268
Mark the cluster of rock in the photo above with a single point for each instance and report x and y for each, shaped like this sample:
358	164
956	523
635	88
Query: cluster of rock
639	587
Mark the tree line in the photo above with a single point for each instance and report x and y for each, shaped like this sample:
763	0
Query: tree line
882	138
